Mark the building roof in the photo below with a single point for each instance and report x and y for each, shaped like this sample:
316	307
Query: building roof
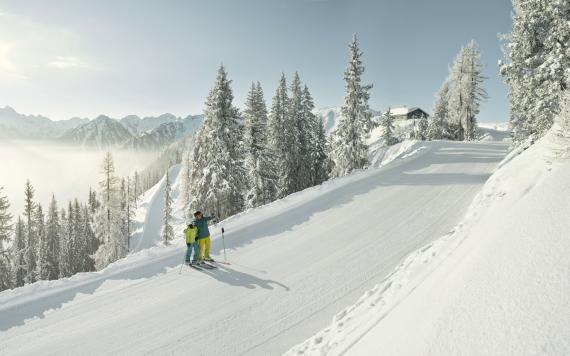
404	110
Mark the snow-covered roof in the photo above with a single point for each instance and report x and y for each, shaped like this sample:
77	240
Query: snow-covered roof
403	110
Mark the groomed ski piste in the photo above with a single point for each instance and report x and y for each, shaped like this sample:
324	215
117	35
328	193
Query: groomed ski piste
498	284
294	264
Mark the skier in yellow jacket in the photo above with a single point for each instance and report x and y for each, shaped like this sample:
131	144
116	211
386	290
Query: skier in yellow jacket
191	232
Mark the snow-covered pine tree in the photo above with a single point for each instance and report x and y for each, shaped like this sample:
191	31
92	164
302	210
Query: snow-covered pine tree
316	140
108	227
438	128
89	247
129	212
93	203
51	246
466	92
537	64
64	246
262	181
278	119
387	124
31	238
218	177
185	181
297	133
423	126
167	230
19	268
350	151
5	234
79	246
66	253
39	222
136	189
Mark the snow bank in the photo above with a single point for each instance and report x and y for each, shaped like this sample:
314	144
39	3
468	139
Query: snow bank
497	284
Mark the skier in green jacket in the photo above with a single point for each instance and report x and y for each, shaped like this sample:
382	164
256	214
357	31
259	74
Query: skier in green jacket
204	241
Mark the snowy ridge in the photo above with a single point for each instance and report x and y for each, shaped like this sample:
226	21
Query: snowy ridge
380	322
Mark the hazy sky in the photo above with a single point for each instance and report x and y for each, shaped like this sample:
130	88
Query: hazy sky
82	58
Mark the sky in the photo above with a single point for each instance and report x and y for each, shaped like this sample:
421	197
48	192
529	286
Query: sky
79	58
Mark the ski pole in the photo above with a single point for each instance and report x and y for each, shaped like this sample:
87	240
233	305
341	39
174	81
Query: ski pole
224	244
182	265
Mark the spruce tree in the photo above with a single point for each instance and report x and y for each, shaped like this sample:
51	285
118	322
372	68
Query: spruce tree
278	120
52	240
388	126
316	151
296	175
31	238
88	244
39	222
423	127
5	234
66	253
218	176
537	65
438	128
259	164
167	230
19	268
350	151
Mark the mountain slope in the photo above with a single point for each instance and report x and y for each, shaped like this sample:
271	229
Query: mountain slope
293	266
498	285
102	132
16	125
165	134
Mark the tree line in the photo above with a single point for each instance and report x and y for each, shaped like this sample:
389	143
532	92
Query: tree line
63	241
245	160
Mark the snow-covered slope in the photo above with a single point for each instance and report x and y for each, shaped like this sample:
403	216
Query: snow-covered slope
16	125
101	132
498	284
294	264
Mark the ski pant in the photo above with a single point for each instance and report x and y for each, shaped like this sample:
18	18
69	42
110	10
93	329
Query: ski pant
204	248
189	248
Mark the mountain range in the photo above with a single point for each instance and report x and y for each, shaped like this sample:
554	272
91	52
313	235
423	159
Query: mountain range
130	132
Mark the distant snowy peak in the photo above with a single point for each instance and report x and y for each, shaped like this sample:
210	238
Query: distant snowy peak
102	132
165	134
16	125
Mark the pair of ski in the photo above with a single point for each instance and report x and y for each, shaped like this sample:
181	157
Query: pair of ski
204	266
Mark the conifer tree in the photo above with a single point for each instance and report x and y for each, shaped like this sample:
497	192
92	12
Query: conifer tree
5	234
536	66
31	246
466	92
39	222
51	245
167	230
19	267
108	227
66	253
438	127
388	126
350	151
278	120
296	174
259	164
88	245
218	175
316	139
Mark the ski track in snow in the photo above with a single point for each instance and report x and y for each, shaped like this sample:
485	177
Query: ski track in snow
295	263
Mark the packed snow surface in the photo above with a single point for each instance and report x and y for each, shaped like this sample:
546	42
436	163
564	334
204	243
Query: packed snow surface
294	264
497	285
